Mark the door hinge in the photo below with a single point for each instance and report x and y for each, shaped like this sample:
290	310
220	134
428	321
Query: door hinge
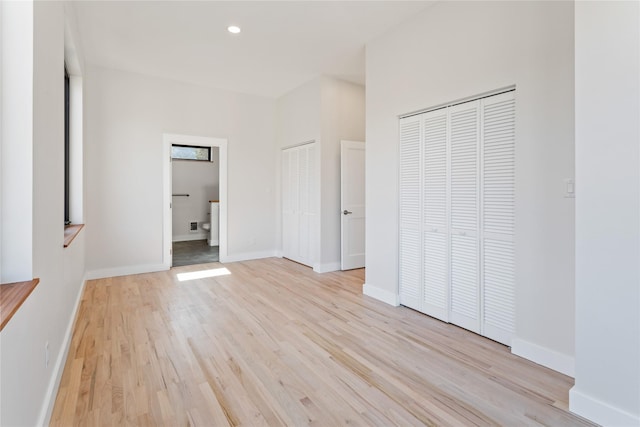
170	251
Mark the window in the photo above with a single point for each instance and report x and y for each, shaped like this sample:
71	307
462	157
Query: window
66	147
190	152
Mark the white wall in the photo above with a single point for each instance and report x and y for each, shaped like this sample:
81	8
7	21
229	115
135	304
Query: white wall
28	385
201	182
607	44
455	50
126	115
299	115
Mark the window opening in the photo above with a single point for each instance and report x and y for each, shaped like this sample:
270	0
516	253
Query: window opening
66	147
190	152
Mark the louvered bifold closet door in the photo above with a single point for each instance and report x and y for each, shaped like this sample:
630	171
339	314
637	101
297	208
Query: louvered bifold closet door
498	217
410	175
434	203
464	122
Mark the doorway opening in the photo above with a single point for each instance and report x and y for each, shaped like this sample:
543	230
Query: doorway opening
195	182
195	200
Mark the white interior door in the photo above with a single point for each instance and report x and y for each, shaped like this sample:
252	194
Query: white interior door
352	204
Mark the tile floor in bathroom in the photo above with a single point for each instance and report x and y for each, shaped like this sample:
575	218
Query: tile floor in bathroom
194	252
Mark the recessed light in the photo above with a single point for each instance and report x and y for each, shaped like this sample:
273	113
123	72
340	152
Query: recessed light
233	29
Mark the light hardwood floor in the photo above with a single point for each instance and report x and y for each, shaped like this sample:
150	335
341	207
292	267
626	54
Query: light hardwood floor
273	343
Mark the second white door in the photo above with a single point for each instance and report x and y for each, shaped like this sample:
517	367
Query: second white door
352	202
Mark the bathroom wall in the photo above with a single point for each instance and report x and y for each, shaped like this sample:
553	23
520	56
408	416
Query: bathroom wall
200	180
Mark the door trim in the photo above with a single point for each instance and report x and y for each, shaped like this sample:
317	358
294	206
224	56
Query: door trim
167	140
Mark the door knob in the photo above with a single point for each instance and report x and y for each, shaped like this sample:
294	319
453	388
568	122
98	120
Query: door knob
346	212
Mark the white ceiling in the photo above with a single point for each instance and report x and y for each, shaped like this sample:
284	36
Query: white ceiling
282	44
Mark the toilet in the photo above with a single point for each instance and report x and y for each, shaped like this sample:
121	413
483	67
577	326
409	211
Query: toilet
213	227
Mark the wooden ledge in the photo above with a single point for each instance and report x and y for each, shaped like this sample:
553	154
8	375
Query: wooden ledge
70	233
12	295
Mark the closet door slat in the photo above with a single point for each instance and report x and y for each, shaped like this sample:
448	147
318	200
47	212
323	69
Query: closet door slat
464	139
498	217
464	166
464	282
410	214
435	170
435	260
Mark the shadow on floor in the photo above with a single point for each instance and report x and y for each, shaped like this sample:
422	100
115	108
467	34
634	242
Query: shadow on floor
194	252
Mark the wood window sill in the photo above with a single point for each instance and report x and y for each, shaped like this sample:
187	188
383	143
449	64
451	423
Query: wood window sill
12	295
70	233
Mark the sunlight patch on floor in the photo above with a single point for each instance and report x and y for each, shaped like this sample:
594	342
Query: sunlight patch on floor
202	274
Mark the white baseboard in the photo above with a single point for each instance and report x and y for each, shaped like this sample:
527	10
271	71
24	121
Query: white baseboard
383	295
125	271
246	256
327	267
600	412
52	390
543	356
189	237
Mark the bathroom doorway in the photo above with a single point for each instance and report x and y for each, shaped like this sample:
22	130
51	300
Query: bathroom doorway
195	200
195	182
